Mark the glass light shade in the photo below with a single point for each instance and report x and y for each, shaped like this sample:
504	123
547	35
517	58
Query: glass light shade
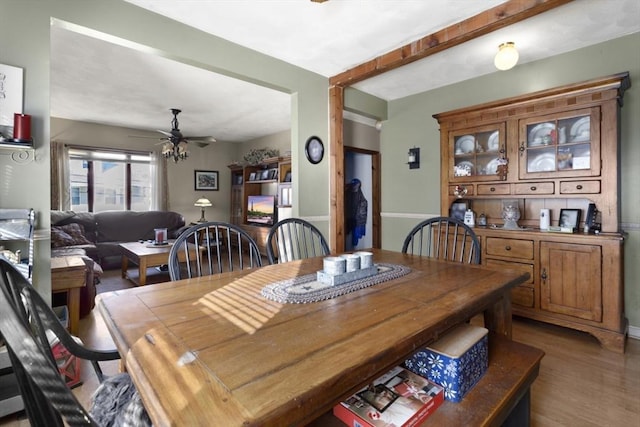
202	202
507	56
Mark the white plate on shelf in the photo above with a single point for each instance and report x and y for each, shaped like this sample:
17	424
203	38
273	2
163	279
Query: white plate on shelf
492	166
465	165
581	130
537	134
545	162
465	144
493	144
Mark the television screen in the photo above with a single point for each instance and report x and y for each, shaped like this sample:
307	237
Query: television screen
261	210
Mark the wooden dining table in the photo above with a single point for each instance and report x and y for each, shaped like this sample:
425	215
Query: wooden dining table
215	351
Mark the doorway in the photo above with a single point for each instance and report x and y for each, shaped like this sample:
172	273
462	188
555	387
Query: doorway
362	199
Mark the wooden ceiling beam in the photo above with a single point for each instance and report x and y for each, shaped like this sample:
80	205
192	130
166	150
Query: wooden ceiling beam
490	20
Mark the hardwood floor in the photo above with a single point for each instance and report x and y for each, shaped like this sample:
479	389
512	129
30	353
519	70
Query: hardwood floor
580	383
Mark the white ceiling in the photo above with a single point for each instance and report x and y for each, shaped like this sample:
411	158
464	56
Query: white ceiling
113	84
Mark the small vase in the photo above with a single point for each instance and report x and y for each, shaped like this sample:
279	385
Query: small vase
510	215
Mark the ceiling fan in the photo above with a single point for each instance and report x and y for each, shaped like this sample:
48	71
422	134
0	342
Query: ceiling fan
175	143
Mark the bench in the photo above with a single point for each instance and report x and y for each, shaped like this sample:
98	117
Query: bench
500	398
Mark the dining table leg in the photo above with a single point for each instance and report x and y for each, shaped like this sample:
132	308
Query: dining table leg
497	318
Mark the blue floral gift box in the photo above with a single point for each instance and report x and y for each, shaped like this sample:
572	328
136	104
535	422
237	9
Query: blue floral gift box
456	361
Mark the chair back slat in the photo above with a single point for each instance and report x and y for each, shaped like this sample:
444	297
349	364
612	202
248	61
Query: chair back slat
294	238
443	238
212	248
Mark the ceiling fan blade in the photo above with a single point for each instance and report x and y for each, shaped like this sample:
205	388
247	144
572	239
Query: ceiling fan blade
165	133
201	138
142	136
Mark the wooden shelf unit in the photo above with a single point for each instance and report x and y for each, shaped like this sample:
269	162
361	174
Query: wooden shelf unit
268	178
562	151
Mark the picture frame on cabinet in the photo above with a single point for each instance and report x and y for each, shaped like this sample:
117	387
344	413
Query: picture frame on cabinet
205	180
458	208
569	218
252	176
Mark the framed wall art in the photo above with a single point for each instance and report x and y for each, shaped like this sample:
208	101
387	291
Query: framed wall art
206	180
10	93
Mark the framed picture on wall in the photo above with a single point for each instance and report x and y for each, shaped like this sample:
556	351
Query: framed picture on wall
206	180
11	79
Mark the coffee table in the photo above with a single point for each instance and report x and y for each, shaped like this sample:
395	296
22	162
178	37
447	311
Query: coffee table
145	255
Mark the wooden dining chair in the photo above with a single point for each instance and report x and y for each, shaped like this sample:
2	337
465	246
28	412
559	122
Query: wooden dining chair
41	318
47	398
211	248
295	238
443	238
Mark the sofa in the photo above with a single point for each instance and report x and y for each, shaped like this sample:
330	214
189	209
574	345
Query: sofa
99	234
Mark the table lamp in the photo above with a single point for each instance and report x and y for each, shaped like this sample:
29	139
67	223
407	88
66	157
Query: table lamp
202	203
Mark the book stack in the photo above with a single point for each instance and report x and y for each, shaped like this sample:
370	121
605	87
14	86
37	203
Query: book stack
399	398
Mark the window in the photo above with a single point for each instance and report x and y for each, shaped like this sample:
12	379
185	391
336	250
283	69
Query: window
103	180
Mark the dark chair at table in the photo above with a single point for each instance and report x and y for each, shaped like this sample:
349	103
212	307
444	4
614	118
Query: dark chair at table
41	318
443	238
47	398
211	248
295	238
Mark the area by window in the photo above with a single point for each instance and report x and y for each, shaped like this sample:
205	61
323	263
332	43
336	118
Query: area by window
103	180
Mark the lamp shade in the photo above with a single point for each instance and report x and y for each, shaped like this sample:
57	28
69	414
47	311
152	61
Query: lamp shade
507	56
202	202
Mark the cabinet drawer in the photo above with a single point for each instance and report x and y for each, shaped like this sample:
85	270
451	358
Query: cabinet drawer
534	188
468	187
579	187
512	248
506	265
498	189
523	295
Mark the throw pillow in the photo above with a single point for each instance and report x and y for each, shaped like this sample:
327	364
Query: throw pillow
68	235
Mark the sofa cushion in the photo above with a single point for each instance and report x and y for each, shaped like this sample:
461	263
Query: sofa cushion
68	235
85	219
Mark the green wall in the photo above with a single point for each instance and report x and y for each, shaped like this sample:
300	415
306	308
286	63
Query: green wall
410	195
25	28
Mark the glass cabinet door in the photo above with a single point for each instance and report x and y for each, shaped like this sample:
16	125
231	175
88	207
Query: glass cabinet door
476	153
560	145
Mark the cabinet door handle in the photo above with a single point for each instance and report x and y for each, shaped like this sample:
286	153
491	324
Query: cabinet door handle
521	148
533	188
492	189
507	248
544	274
579	187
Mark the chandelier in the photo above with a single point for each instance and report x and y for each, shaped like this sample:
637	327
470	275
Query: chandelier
176	151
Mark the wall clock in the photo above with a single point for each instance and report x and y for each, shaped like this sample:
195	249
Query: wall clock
314	149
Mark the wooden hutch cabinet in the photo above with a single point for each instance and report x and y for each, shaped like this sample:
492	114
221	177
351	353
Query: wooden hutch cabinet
271	177
554	149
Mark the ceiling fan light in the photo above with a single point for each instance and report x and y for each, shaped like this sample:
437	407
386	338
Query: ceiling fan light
507	56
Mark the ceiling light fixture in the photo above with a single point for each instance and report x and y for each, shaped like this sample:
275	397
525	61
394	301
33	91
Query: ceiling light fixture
507	56
177	151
